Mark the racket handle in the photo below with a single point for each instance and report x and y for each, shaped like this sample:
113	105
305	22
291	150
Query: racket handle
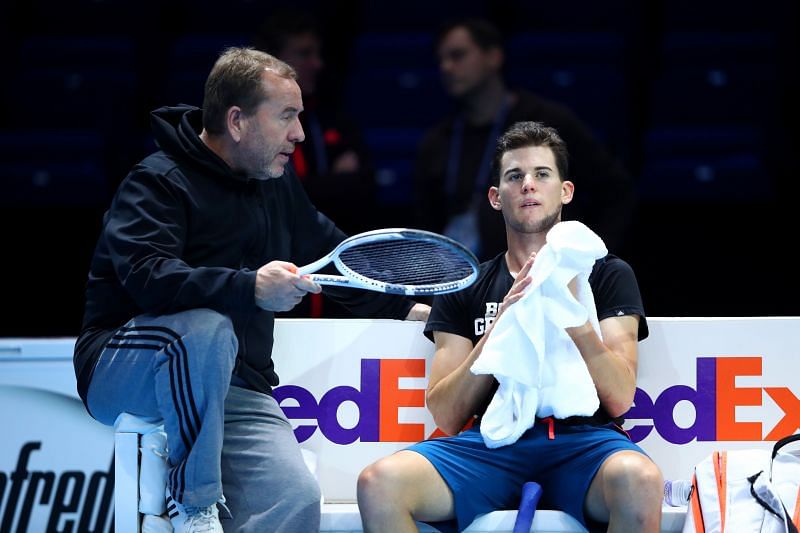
531	492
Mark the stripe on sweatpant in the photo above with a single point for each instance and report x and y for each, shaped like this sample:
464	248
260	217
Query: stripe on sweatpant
180	385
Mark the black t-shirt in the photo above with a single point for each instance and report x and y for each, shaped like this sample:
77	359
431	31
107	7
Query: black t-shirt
469	312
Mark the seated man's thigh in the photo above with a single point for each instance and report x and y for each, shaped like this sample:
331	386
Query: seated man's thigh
576	455
481	480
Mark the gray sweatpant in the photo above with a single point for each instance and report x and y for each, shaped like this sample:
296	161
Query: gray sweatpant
178	368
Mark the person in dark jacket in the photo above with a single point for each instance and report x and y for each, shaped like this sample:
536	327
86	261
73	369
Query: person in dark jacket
334	160
197	252
452	166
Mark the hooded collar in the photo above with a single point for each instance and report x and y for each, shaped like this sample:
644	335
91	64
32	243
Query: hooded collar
177	132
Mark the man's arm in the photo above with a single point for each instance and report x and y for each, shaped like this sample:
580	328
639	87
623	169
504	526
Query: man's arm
611	361
419	312
454	392
145	232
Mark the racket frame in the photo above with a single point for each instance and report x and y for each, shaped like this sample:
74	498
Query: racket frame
356	280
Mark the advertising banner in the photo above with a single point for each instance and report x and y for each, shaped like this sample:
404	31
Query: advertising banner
354	391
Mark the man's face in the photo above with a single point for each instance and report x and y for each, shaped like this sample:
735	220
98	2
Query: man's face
530	193
269	135
303	52
463	64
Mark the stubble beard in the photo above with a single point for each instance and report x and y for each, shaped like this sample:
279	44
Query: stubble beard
269	167
542	225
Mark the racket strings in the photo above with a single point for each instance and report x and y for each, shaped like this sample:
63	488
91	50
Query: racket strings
407	262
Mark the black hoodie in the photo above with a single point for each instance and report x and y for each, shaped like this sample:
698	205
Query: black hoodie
185	231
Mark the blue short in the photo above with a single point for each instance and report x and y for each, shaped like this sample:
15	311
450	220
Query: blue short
484	480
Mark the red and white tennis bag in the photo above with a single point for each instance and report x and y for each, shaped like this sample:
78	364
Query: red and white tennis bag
745	491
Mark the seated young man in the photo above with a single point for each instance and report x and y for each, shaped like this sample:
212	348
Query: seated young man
587	466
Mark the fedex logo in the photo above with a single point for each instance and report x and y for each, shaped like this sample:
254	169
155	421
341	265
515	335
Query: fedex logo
715	399
377	402
379	397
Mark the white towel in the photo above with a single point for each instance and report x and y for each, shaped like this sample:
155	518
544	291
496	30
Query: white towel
537	365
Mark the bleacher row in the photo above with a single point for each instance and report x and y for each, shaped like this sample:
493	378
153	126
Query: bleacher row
690	110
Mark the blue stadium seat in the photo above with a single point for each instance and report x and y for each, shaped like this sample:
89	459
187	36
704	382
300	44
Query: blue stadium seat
532	48
407	50
416	14
393	151
76	82
411	98
76	98
394	81
584	71
85	17
52	168
189	62
572	15
46	51
721	15
726	78
709	164
597	94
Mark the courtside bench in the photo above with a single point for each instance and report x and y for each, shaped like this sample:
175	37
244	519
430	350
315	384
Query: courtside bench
344	518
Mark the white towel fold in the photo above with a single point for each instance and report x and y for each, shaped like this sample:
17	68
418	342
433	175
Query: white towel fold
537	365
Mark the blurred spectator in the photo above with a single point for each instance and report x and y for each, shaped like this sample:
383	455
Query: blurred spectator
333	164
452	167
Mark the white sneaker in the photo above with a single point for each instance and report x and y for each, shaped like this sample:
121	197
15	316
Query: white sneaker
193	519
156	524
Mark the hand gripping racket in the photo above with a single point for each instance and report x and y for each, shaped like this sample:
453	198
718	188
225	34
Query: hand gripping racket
398	261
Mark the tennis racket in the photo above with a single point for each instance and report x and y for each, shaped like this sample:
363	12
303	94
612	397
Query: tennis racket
398	261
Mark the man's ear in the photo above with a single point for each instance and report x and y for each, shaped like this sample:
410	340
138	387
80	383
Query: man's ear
234	121
567	190
496	57
494	198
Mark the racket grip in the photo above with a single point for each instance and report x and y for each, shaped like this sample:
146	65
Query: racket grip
531	492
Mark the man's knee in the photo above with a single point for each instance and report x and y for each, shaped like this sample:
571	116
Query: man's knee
306	492
375	481
631	469
209	320
632	478
211	328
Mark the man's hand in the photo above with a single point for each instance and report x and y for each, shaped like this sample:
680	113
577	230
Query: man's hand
573	287
419	312
279	288
517	290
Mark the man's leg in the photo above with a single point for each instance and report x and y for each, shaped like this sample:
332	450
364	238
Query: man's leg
267	484
177	368
626	492
397	490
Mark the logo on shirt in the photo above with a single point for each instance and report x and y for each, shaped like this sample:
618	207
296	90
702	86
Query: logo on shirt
491	315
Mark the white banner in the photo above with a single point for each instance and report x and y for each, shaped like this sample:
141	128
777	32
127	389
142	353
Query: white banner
355	391
56	469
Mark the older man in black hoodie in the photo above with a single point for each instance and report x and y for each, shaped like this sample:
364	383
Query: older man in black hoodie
197	252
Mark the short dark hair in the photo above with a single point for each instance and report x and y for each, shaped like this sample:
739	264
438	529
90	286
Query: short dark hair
283	24
524	134
235	80
485	34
